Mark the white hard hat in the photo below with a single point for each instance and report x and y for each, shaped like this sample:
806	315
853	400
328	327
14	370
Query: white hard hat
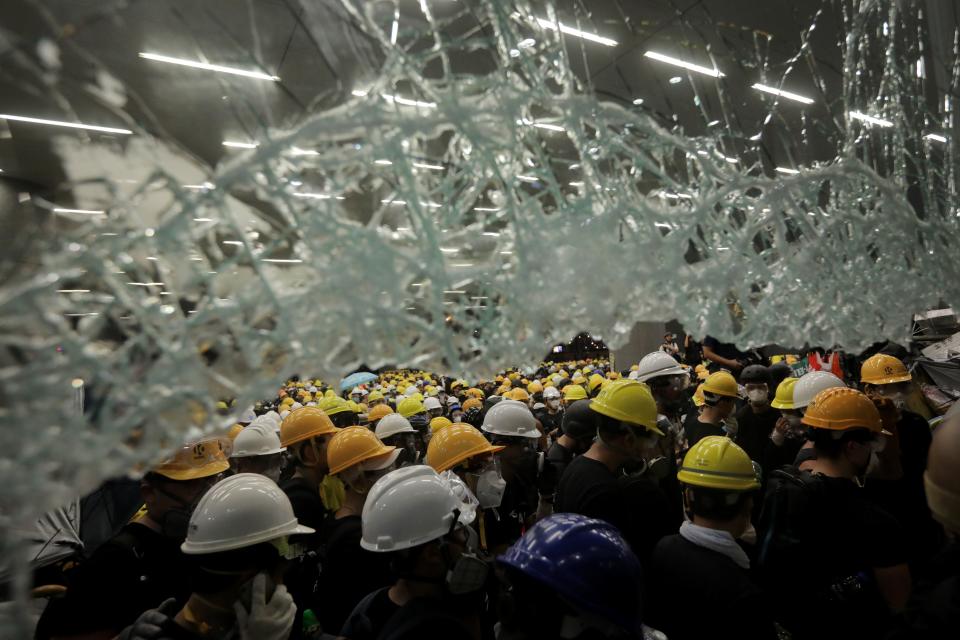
247	416
633	375
431	403
295	406
557	378
359	390
551	392
657	364
258	439
408	507
539	405
312	389
274	418
392	424
810	384
240	511
452	400
511	418
412	389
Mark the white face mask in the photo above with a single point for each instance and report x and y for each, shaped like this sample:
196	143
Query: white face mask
757	396
490	488
553	403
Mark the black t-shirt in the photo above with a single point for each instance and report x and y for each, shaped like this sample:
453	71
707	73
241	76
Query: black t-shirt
633	504
754	430
821	538
726	350
370	617
348	572
308	507
686	578
696	430
134	571
559	456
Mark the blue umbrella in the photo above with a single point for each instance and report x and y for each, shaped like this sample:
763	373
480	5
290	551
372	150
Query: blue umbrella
354	379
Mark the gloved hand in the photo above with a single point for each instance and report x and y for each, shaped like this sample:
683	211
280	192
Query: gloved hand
267	619
149	625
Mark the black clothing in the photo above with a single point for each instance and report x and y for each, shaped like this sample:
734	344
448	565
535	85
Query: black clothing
753	432
550	421
559	456
308	507
934	609
633	504
693	588
696	430
819	540
726	350
370	616
134	571
426	619
505	524
348	572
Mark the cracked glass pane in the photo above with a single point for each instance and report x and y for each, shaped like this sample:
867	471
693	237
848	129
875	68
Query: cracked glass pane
444	185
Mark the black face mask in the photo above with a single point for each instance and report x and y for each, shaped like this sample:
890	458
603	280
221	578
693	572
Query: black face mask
175	522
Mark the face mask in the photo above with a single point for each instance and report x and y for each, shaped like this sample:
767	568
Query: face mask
469	573
757	396
794	421
553	404
730	426
175	523
490	488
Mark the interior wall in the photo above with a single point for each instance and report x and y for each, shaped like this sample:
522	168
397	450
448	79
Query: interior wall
644	338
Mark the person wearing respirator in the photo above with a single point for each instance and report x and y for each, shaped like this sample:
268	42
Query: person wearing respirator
552	415
349	572
395	430
142	566
529	483
238	541
419	520
257	449
595	485
884	376
757	418
720	393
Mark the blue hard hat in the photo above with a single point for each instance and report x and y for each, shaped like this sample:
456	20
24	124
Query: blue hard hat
586	562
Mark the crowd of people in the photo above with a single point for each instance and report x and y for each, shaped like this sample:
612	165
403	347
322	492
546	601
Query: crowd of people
573	500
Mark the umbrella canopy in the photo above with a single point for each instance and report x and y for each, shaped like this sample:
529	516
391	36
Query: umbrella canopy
354	379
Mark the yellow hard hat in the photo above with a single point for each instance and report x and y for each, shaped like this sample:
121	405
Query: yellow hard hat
628	401
613	375
378	412
329	393
473	392
716	462
354	445
578	379
200	459
698	400
514	376
234	431
548	383
518	394
535	387
634	367
334	405
595	381
784	397
457	383
375	395
564	373
417	396
456	443
472	403
841	409
721	383
574	392
304	423
883	369
439	423
410	407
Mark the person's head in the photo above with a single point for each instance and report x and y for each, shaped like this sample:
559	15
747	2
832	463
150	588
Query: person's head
359	458
579	424
551	398
887	377
339	411
511	424
810	385
779	372
571	576
666	379
460	448
572	393
941	480
422	519
257	450
239	529
720	392
305	433
846	429
375	398
172	489
719	482
627	419
433	406
755	379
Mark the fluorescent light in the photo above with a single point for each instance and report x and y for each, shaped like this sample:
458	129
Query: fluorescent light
731	160
506	253
570	31
146	284
449	250
783	94
454	291
152	258
526	43
638	101
203	219
110	234
81	315
935	136
492	234
407	102
393	201
73	290
394	29
548	126
359	93
576	183
282	260
787	170
238	243
528	178
716	73
676	80
297	151
383	162
316	196
208	67
199	187
424	165
58	123
713	123
462	264
240	145
90	212
856	115
486	209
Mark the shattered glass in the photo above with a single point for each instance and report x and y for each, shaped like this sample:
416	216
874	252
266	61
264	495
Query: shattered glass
464	201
